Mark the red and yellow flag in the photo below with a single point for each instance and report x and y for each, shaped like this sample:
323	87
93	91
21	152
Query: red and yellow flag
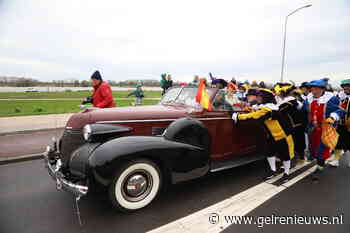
202	96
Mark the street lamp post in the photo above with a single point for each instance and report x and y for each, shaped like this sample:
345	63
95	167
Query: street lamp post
285	37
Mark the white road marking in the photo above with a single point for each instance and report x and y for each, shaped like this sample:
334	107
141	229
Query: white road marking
237	205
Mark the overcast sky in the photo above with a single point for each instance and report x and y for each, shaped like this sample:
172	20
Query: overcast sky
65	39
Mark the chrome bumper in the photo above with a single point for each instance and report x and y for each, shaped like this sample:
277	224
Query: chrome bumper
61	182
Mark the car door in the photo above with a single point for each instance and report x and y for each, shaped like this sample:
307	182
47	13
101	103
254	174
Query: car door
220	126
234	140
225	139
252	137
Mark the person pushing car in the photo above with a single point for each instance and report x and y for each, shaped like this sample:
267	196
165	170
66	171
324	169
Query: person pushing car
280	139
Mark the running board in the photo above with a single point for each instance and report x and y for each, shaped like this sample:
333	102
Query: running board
216	166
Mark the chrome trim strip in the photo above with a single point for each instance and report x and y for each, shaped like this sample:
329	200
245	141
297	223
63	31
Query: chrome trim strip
134	121
160	120
214	118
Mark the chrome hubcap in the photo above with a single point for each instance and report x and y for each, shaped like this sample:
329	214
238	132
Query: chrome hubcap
136	185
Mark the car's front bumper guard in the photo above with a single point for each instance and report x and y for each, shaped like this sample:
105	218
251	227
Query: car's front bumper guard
61	182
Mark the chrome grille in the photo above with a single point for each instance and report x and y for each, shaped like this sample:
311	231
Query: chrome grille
70	141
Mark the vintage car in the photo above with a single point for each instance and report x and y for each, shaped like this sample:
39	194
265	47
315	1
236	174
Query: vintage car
133	151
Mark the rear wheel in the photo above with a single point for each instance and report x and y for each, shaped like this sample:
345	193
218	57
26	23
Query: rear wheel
135	185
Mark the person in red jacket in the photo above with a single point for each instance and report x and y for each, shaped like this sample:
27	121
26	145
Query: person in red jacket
102	94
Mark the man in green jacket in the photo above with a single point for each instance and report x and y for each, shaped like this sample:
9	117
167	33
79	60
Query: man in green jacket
166	82
163	83
138	93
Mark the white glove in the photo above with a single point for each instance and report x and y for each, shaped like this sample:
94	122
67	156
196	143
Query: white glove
255	107
335	116
235	117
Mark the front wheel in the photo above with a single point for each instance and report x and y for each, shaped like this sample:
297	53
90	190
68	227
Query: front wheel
135	185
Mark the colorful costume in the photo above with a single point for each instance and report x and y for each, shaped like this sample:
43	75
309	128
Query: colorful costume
318	110
280	138
343	128
344	125
290	108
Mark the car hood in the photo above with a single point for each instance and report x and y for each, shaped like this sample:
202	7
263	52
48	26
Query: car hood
151	112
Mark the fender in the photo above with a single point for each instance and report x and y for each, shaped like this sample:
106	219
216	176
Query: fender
179	159
183	152
189	131
78	162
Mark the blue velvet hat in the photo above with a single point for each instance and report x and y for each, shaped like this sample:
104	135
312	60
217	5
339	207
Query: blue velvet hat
319	83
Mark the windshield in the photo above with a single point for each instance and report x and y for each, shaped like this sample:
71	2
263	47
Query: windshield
170	96
178	95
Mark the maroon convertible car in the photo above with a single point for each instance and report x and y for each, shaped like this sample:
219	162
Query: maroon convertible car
133	151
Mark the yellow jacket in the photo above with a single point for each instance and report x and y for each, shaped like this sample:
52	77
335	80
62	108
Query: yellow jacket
266	113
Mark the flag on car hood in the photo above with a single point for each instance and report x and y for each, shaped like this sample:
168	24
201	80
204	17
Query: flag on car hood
202	96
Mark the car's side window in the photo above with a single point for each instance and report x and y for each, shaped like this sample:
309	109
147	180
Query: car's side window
221	101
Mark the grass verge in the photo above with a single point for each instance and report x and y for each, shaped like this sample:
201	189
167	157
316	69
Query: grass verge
42	107
68	95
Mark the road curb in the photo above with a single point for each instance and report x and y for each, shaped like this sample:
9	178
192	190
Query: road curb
21	158
28	131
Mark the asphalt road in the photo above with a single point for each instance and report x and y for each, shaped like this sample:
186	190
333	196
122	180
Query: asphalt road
329	197
29	202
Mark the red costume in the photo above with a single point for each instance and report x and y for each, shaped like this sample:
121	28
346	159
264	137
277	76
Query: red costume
317	117
319	109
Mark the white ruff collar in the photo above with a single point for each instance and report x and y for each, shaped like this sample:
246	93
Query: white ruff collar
270	105
322	100
343	96
285	100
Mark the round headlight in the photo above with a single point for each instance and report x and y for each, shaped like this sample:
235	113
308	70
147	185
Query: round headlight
87	132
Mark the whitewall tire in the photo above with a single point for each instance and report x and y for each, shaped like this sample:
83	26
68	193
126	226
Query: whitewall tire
135	185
